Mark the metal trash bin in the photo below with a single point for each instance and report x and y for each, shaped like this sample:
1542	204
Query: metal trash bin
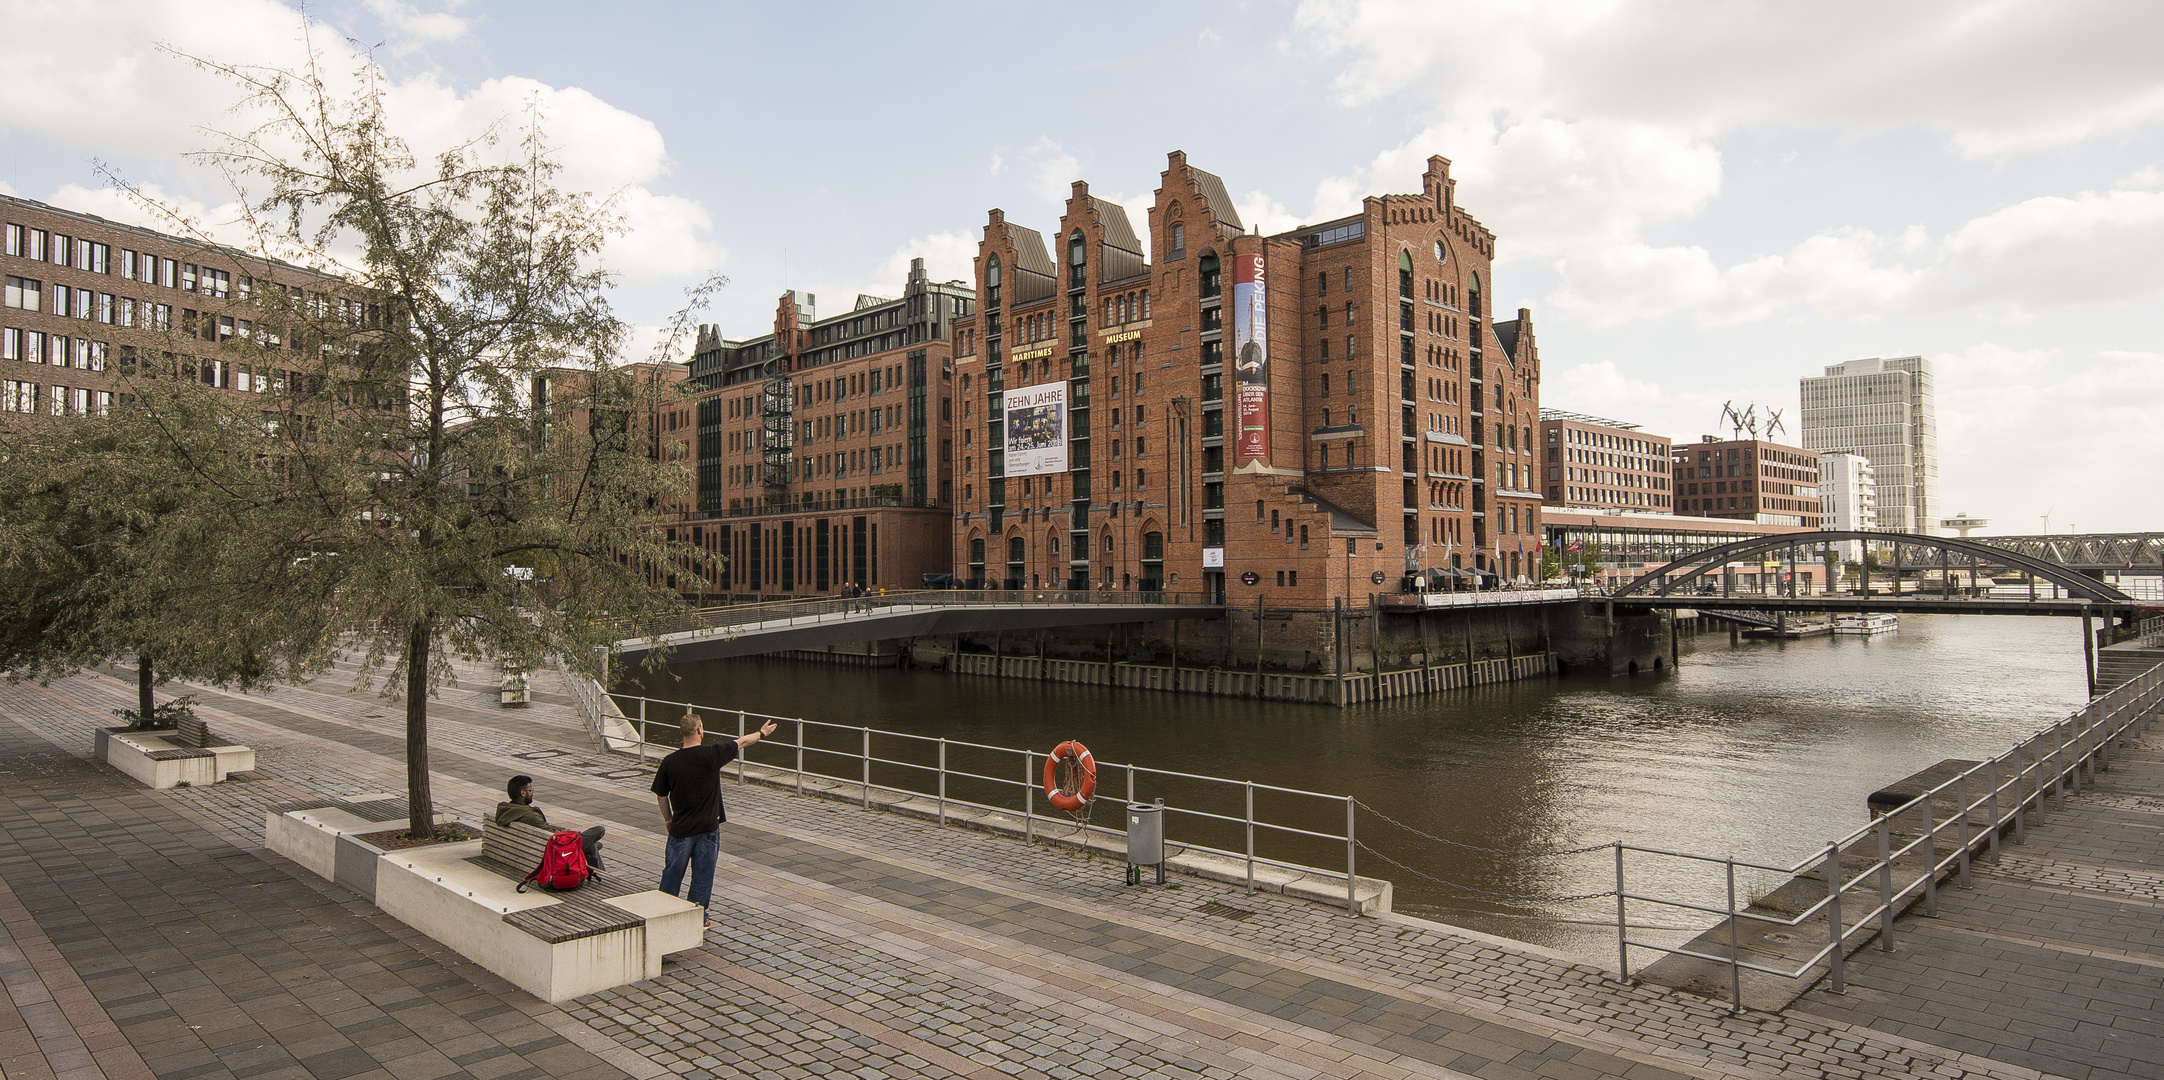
1145	840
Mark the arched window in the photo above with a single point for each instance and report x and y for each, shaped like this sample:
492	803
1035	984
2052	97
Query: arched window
1077	258
1442	254
1212	281
1405	274
1153	546
991	283
1472	296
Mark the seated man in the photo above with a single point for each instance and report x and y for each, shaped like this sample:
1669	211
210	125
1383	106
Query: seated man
520	810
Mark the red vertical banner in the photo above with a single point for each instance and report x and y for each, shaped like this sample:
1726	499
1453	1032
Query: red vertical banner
1251	358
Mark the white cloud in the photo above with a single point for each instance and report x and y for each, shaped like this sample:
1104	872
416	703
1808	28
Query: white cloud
412	28
2021	438
1600	388
1575	128
947	256
86	87
1259	210
2002	77
1053	171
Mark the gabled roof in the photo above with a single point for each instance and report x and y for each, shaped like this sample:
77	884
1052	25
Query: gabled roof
1507	334
1118	231
1029	250
1217	198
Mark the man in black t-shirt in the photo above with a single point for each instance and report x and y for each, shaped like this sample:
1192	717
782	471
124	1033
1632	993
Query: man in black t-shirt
688	788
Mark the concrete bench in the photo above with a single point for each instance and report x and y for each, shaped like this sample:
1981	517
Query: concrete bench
556	946
188	754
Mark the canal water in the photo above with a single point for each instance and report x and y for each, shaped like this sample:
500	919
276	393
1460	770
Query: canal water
1761	750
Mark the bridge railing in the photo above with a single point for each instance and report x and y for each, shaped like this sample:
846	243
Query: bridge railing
1874	873
792	612
1258	825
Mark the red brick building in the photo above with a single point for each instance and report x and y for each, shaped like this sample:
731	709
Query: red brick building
825	446
1299	416
1749	480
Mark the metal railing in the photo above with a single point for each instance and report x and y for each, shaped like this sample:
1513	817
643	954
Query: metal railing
956	774
591	701
1986	801
790	612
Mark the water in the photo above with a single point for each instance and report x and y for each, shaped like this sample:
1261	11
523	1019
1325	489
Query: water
1763	750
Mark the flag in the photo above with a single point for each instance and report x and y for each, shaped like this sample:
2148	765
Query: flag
1573	546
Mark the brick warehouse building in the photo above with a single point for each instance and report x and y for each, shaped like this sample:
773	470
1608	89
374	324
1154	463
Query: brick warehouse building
1372	417
825	446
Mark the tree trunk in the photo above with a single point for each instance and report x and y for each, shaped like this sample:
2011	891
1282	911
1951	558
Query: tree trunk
422	819
146	676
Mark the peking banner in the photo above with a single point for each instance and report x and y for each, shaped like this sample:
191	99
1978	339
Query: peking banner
1251	358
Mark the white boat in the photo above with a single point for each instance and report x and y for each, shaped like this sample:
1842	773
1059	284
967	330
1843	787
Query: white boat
1866	624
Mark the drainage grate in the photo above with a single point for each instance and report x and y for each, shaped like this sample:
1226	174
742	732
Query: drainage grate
541	755
1224	910
621	774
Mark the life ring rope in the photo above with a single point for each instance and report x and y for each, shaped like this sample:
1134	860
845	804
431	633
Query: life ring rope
1083	774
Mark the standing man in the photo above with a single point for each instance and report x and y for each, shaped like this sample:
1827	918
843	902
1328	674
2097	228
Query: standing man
688	788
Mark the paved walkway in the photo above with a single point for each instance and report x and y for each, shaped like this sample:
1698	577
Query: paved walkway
846	942
2055	957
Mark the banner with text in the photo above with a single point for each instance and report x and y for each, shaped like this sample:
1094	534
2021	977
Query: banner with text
1036	420
1251	358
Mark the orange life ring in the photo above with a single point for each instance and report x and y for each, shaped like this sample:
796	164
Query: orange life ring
1070	801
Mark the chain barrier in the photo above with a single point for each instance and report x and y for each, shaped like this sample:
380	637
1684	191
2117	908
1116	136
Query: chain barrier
1485	850
1485	892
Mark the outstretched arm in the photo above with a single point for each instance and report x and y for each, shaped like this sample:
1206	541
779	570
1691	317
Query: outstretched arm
744	742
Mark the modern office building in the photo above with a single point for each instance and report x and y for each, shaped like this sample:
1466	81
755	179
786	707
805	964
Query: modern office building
84	296
825	447
1883	409
1748	480
1296	417
1597	464
1848	496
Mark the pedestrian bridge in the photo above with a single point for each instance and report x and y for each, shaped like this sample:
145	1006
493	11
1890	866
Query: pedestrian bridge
752	629
1941	574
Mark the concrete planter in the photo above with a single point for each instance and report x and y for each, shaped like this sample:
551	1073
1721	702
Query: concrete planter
158	760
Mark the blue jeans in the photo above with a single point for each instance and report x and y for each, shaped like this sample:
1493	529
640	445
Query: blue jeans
699	852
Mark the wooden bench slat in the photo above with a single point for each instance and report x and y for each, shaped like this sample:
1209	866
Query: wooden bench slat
571	919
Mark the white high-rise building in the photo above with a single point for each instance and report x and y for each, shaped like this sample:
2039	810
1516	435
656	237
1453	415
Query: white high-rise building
1848	495
1882	409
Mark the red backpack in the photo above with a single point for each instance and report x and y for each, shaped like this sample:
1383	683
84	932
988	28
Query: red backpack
563	864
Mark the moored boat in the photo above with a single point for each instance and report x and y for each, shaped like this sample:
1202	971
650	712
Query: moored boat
1874	623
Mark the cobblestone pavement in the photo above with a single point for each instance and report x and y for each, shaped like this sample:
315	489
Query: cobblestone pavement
2055	957
873	944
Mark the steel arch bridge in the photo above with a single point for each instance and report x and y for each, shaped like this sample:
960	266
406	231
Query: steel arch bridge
2125	553
1973	555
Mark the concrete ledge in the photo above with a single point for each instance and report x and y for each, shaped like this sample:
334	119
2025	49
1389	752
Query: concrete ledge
441	892
156	760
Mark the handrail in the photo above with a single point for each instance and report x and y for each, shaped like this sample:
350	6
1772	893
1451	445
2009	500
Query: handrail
2001	793
788	611
588	697
1024	791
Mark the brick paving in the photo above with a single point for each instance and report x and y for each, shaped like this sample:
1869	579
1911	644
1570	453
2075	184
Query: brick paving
862	943
2054	959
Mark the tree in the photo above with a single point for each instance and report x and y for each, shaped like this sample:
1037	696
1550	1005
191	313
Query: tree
107	553
399	459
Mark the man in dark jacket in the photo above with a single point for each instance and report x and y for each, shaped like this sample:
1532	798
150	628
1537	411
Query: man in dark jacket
520	810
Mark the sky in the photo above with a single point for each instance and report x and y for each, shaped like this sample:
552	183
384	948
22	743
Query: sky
1699	202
